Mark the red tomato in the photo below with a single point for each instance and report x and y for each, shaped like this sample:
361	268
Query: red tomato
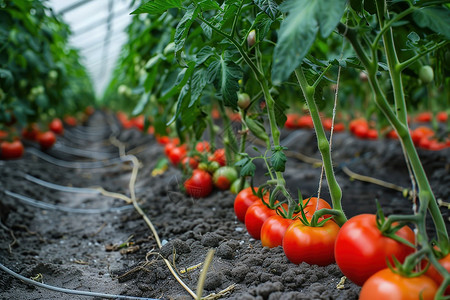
224	176
139	122
256	215
392	134
361	250
151	130
11	150
3	135
420	133
189	162
89	110
202	146
424	117
199	184
46	139
310	207
215	113
219	156
359	127
71	121
442	117
273	230
177	154
56	126
31	132
436	276
172	144
305	122
243	200
338	127
434	144
387	285
313	245
291	121
162	140
372	134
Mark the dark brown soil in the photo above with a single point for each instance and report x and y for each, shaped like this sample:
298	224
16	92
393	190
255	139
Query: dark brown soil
70	249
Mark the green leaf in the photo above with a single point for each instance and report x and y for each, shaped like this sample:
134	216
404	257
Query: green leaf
257	129
208	5
262	24
184	25
6	79
270	7
248	169
230	8
157	7
141	104
434	18
278	159
298	32
242	162
204	53
182	78
198	83
225	75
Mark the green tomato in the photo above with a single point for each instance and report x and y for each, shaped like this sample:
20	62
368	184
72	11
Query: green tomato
243	100
224	176
235	186
426	74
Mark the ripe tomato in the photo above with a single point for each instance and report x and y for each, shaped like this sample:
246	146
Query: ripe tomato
189	162
199	184
202	146
219	156
46	139
177	154
436	276
338	127
372	134
273	230
224	176
361	250
313	245
305	122
387	285
138	122
169	146
162	140
442	117
31	132
392	134
70	120
310	207
3	135
255	216
424	117
243	200
359	127
56	126
11	150
420	133
291	121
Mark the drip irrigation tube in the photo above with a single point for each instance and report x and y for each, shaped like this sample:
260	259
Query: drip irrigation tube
68	291
84	153
49	206
61	188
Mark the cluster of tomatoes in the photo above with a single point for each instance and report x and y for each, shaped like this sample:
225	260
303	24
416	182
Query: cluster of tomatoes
358	247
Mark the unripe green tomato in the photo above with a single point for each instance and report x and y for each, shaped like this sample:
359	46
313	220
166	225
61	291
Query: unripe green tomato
235	186
213	166
243	100
203	166
53	74
251	38
426	74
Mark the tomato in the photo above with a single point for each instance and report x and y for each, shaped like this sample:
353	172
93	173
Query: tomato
89	110
70	120
224	176
338	127
177	154
169	146
291	121
305	122
251	38
202	146
46	139
56	126
310	207
189	162
235	186
273	230
372	134
313	245
424	117
3	135
392	134
256	215
219	156
435	145
11	150
31	132
361	250
242	202
138	122
215	113
243	100
420	133
442	117
387	285
199	184
436	276
359	127
426	74
162	140
151	130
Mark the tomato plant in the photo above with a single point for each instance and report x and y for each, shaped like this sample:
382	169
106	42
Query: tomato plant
386	284
313	245
361	249
199	185
11	150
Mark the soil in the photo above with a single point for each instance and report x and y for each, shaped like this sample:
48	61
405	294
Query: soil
75	250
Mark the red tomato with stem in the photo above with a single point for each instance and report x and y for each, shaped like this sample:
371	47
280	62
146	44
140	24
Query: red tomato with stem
56	126
361	250
219	156
387	285
273	230
313	245
11	150
199	185
46	139
177	154
255	217
436	276
311	206
242	202
189	162
202	146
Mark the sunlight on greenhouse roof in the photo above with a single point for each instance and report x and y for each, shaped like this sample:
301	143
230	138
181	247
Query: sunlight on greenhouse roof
98	31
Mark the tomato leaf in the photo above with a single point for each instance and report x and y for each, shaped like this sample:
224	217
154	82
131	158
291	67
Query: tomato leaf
202	55
262	24
248	169
270	7
208	5
278	159
6	79
225	74
434	18
198	83
157	7
184	25
298	32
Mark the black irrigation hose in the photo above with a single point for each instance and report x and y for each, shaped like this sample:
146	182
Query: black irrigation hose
79	165
49	206
61	188
68	291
